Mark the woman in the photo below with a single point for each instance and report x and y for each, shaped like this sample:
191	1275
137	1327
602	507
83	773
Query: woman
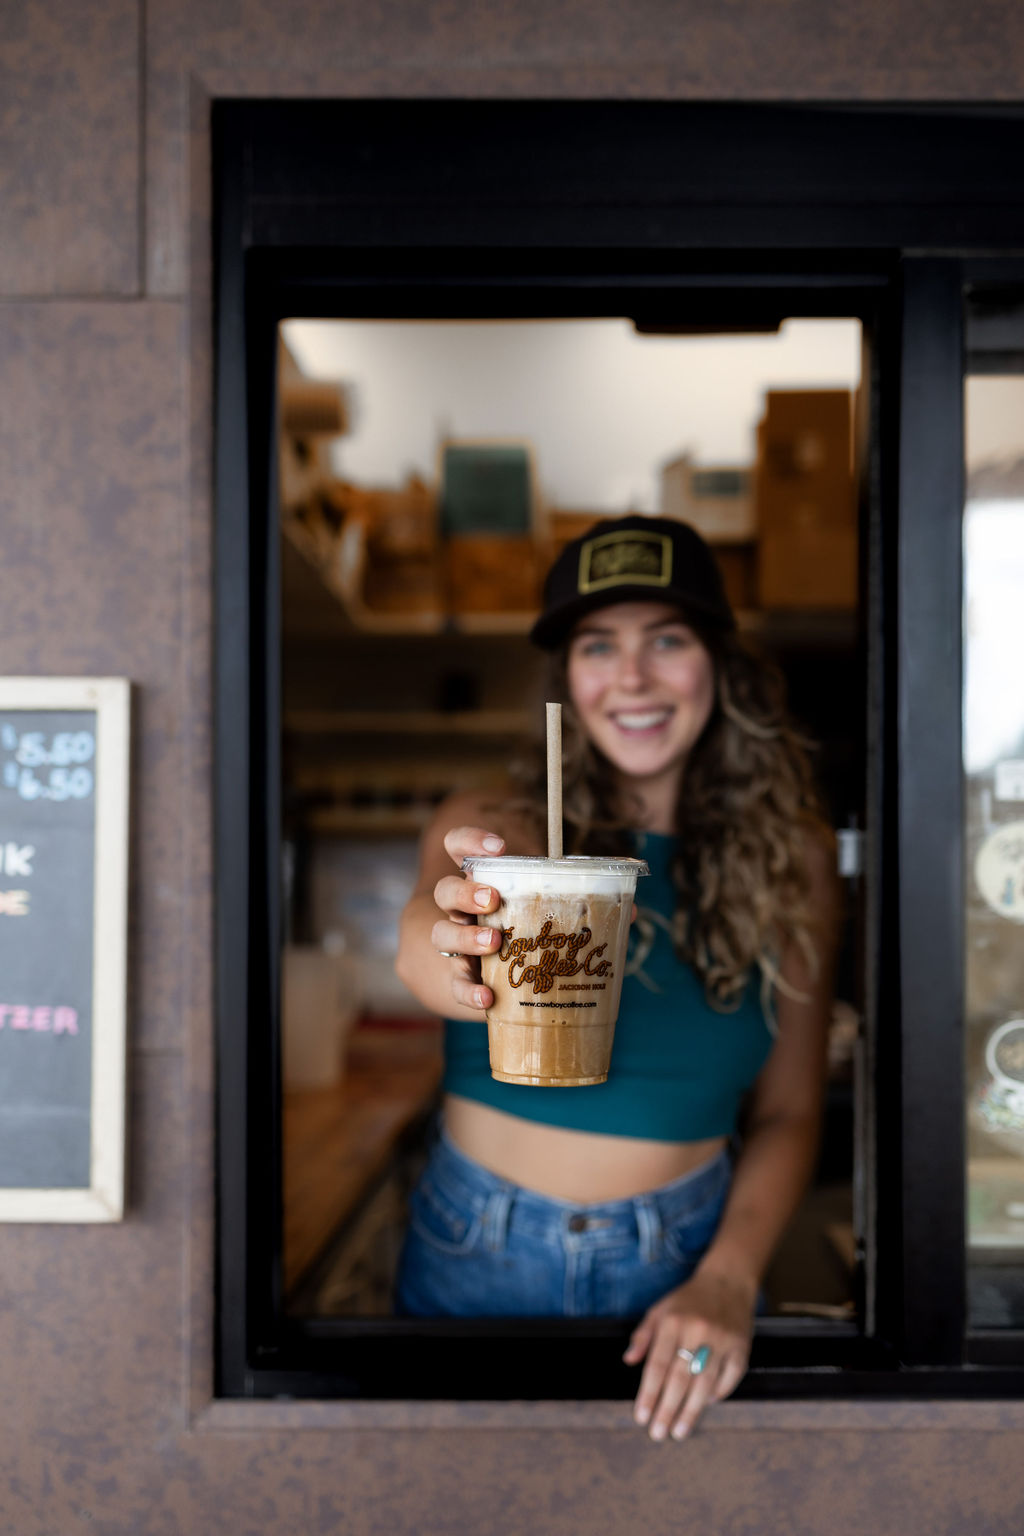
623	1199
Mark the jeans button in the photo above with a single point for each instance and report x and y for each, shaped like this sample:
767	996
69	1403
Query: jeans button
577	1223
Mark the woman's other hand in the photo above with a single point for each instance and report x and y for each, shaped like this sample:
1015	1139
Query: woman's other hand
712	1311
463	900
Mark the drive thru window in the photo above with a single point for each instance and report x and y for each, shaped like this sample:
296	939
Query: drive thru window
556	216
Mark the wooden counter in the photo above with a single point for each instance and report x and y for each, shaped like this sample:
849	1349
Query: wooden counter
337	1141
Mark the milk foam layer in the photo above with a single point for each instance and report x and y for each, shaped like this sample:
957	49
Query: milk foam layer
575	875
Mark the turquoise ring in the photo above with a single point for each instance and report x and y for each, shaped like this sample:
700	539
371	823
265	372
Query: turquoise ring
696	1359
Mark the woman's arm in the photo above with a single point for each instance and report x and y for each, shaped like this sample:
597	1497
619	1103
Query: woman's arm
715	1307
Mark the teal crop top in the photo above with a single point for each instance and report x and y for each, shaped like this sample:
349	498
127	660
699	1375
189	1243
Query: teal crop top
679	1068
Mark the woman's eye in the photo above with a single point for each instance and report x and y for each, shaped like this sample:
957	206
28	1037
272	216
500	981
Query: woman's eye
593	647
671	640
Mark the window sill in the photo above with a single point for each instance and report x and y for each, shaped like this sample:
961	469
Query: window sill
983	1415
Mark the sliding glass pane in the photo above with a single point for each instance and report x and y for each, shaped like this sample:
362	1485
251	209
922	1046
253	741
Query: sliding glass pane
993	724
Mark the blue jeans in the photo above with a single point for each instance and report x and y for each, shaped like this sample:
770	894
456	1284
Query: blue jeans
480	1246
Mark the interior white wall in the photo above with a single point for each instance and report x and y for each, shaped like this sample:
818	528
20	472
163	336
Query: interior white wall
994	419
603	407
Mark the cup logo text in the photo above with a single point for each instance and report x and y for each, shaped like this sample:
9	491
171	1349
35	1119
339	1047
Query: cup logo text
560	955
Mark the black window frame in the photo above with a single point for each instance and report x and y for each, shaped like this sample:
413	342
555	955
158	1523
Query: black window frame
446	208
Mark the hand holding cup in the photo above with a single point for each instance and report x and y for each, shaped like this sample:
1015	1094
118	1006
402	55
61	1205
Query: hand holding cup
463	900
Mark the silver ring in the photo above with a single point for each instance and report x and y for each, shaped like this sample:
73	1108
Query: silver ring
696	1359
450	954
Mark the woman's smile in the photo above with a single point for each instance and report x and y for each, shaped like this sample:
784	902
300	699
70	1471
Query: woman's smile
643	723
642	683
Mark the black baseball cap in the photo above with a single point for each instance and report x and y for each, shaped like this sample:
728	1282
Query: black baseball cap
632	559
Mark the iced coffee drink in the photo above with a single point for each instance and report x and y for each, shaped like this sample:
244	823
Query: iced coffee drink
557	976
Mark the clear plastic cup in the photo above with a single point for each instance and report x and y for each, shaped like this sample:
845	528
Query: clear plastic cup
557	977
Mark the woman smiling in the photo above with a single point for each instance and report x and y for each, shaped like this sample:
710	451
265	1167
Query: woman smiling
659	1195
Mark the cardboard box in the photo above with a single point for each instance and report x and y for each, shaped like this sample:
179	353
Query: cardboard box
492	573
717	500
412	585
804	470
825	502
738	565
807	566
789	412
400	523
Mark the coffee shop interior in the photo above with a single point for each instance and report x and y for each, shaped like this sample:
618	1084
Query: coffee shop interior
428	472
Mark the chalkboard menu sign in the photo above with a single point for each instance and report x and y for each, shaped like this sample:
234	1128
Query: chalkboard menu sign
63	919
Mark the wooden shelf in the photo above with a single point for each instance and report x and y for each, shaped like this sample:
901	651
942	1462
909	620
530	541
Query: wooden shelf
500	622
323	595
339	573
817	628
373	821
406	722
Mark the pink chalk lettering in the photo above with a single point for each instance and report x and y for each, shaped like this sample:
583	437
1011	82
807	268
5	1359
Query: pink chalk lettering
40	1017
65	1021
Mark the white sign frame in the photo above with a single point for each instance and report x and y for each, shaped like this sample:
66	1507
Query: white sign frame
109	698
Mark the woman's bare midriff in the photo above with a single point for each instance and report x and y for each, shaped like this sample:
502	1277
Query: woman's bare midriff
569	1165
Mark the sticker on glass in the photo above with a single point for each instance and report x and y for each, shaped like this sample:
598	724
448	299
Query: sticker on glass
1010	779
999	870
1001	1102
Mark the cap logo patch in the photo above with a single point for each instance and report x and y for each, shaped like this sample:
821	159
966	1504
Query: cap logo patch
625	559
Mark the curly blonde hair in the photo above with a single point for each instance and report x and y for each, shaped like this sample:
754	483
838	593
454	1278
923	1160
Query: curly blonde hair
747	814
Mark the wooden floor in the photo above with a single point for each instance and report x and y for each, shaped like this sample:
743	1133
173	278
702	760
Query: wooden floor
339	1140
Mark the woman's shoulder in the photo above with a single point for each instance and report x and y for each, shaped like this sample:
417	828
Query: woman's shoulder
817	845
817	852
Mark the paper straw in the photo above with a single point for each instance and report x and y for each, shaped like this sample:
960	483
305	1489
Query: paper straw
554	732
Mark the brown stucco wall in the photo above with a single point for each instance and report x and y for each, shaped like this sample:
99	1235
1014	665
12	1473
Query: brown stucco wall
106	1419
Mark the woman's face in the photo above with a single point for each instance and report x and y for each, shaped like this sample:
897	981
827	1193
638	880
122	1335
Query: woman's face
643	686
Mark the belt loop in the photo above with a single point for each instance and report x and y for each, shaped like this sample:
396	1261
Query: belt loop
648	1225
496	1215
